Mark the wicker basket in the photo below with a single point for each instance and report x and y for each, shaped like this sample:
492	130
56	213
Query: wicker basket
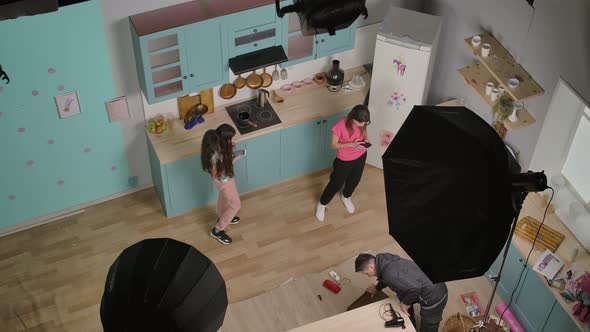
459	323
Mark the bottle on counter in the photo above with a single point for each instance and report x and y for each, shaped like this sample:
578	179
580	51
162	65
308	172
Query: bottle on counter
335	77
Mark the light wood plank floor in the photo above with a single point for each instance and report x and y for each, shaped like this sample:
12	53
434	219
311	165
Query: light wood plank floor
52	276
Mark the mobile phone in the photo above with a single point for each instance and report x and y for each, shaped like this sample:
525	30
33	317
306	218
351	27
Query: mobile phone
239	153
366	144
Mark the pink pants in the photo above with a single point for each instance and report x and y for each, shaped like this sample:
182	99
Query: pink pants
228	202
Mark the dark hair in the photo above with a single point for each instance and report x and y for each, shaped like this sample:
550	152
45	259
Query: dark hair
359	113
209	146
361	262
226	133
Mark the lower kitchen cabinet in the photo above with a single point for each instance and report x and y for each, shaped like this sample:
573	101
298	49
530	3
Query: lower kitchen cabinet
533	304
189	186
262	162
559	320
306	147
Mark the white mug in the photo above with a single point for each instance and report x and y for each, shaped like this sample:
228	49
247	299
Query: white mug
489	87
501	91
485	50
494	95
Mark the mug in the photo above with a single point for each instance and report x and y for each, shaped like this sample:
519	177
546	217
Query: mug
485	50
489	87
495	94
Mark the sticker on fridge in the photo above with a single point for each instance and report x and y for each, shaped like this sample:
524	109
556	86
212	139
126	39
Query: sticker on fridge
396	99
399	66
385	138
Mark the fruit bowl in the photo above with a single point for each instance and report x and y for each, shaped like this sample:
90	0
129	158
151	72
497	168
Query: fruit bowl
158	126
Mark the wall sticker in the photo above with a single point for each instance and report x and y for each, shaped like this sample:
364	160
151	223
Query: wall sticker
4	75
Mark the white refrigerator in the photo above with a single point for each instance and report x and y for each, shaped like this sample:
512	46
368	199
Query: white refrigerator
404	56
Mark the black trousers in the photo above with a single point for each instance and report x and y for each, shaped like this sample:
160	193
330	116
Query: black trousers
344	173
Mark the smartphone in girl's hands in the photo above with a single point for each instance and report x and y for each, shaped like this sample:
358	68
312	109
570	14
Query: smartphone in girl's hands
366	144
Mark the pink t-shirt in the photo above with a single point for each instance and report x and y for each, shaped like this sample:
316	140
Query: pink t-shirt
348	154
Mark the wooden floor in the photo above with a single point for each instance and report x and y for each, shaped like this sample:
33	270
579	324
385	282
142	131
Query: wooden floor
52	276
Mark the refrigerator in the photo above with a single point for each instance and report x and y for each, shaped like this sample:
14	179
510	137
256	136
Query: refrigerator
402	66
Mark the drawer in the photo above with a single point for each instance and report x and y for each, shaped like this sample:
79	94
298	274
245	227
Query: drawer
253	17
253	39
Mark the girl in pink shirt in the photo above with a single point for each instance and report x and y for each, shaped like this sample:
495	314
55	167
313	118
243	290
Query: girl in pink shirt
348	136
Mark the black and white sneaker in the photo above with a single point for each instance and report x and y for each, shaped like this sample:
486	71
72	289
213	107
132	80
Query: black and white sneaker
220	236
235	220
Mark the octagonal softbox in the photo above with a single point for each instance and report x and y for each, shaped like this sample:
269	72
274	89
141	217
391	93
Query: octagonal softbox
447	185
163	285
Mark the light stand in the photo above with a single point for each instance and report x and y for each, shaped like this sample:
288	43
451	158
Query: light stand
521	185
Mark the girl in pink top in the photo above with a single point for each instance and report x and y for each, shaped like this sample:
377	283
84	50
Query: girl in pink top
349	136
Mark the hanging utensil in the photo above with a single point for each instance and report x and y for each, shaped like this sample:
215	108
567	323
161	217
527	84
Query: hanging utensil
266	78
275	74
227	91
239	82
284	74
254	81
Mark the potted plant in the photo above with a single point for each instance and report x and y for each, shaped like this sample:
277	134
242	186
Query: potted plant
501	111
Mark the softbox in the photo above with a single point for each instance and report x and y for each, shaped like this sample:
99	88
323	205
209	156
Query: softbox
163	285
447	186
320	16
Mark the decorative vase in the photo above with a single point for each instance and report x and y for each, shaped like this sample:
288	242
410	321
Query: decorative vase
335	77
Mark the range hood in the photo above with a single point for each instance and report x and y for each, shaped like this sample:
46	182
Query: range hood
257	59
11	9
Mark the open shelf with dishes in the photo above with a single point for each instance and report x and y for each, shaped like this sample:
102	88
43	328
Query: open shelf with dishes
497	66
476	76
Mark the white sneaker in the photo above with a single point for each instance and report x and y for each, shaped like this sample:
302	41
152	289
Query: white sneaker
320	212
348	204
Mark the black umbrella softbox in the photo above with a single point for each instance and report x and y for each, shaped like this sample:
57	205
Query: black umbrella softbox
163	285
447	183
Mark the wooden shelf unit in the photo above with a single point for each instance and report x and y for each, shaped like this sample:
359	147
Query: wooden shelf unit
503	67
476	76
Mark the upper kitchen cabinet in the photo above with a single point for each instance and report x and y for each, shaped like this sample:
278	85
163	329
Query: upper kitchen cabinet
302	48
255	29
181	60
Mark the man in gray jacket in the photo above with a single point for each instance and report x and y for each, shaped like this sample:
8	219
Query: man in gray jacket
410	284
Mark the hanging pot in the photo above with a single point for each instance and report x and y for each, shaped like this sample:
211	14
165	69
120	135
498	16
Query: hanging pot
254	81
240	82
227	91
266	78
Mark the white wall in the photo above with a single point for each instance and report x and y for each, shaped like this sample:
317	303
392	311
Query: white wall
560	124
550	41
116	24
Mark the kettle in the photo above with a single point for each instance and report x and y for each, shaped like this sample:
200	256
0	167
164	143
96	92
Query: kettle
261	98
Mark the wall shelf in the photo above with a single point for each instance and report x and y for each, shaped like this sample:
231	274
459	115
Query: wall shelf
503	67
476	76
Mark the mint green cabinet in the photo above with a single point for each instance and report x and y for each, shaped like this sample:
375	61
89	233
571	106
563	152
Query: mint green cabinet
302	48
178	61
263	160
533	303
306	147
559	320
188	185
300	149
511	272
240	169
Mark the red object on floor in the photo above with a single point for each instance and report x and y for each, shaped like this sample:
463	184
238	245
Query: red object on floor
331	286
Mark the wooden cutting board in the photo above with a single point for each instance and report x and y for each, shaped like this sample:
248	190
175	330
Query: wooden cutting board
186	103
548	237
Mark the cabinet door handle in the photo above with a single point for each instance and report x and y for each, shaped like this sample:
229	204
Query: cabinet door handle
191	75
317	42
255	44
255	30
185	77
323	40
318	122
324	121
520	260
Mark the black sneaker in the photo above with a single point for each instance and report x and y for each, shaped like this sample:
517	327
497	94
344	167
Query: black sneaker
235	220
220	236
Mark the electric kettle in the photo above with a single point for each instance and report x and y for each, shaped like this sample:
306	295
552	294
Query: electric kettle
261	98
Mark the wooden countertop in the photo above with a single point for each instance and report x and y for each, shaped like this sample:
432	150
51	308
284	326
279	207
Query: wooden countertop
306	104
534	206
362	319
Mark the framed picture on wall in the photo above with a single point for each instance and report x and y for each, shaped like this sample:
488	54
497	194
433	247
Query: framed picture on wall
67	104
